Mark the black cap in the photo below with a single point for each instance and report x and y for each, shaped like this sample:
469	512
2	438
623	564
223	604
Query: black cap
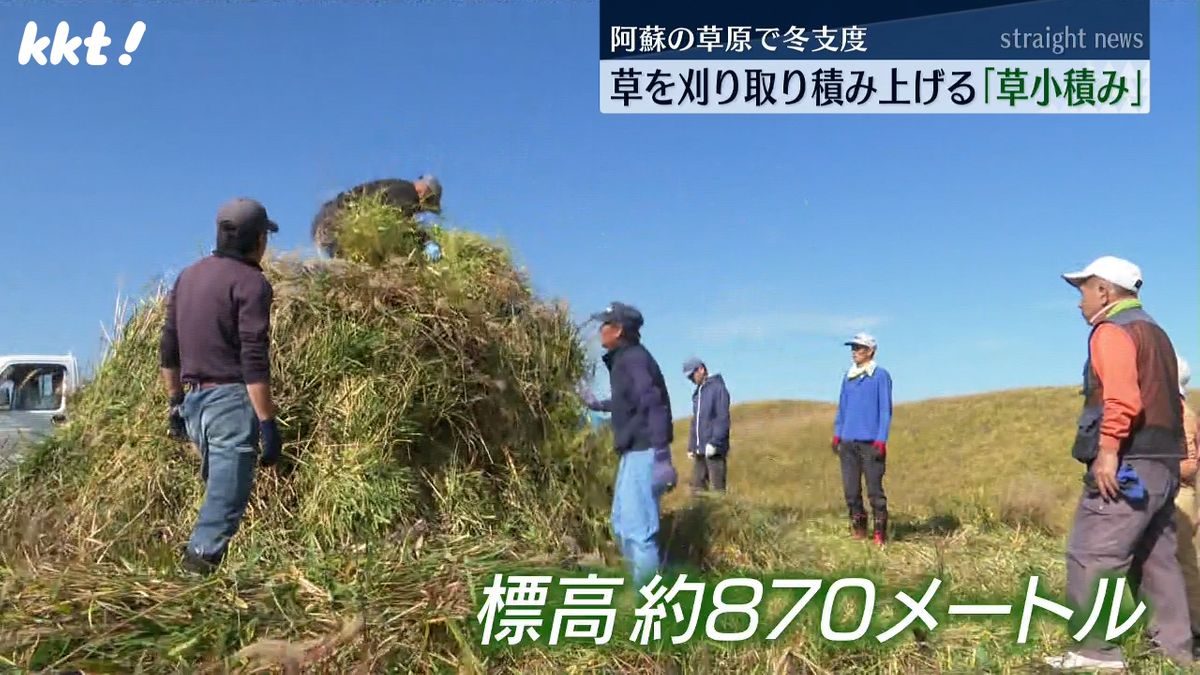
245	213
626	316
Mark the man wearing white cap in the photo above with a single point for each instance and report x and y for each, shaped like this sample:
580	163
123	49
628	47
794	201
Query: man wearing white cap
1130	436
860	434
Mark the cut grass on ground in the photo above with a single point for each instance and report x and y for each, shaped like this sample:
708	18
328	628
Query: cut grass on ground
783	517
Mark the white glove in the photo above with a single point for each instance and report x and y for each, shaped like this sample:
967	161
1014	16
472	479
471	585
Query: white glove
709	450
589	399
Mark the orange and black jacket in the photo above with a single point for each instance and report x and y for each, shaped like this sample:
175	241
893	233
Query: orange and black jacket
1131	389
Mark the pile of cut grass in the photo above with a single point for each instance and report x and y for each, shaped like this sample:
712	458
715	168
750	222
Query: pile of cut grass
369	230
430	427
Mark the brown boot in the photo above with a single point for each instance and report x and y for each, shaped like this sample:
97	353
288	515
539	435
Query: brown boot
858	526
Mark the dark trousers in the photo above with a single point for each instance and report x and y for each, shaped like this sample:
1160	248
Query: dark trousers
708	472
1137	540
860	458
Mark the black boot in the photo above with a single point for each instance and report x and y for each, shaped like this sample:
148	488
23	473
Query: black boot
193	563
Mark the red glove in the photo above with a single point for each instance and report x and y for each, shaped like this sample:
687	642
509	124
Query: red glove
836	442
881	446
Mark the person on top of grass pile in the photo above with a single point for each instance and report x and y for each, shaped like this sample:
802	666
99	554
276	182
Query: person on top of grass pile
860	435
1130	436
1186	506
216	340
642	434
423	195
708	440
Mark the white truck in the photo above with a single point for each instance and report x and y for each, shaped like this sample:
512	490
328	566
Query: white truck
33	399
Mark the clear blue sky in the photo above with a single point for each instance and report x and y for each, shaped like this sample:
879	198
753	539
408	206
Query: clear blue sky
757	242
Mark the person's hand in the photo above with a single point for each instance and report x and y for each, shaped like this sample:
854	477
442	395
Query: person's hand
836	442
880	448
589	399
1104	470
1187	471
272	445
176	427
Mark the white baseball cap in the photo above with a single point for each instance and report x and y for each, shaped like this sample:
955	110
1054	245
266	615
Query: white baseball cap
863	339
1120	272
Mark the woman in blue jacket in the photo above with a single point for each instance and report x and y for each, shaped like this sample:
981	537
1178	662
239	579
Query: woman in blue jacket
642	434
860	434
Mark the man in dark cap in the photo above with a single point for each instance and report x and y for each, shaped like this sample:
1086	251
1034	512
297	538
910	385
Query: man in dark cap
411	197
215	341
642	435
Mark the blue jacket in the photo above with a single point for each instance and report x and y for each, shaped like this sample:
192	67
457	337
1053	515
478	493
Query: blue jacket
710	416
865	408
640	405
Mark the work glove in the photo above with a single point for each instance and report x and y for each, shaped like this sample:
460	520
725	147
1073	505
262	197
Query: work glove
433	251
663	475
272	445
709	450
589	399
427	218
1131	483
880	448
1128	483
176	427
836	442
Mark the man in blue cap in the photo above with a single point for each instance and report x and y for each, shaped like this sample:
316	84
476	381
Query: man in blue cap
642	435
708	440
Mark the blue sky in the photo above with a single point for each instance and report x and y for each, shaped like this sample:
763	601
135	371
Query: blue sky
756	242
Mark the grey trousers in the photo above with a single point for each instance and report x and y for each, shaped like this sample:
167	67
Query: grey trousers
859	459
1137	540
708	472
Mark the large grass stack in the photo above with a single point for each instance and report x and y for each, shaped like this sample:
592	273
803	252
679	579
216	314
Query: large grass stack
430	426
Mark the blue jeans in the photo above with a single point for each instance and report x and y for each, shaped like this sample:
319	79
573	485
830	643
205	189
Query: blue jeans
635	509
222	423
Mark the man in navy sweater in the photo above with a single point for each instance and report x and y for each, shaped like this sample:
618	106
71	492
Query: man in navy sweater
642	435
860	434
708	440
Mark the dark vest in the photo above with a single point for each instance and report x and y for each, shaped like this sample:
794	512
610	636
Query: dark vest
1157	433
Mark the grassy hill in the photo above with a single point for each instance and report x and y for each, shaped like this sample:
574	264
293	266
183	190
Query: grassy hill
1008	452
433	438
981	489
